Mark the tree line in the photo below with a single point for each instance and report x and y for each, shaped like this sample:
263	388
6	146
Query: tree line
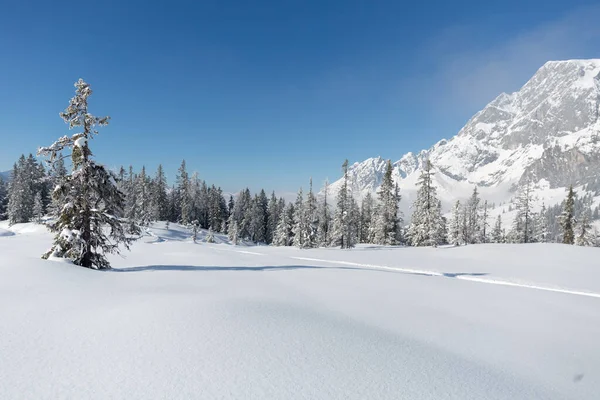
310	221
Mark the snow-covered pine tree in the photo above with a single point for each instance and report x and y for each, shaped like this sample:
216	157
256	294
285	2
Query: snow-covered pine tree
567	218
423	230
201	202
300	227
3	198
312	218
217	210
324	219
439	231
523	223
484	223
245	204
90	196
473	218
399	228
20	193
354	221
272	218
40	180
367	219
284	232
498	233
454	231
38	208
238	213
131	203
464	226
185	196
196	200
143	197
386	227
232	232
174	211
230	206
210	236
541	226
160	202
195	227
585	235
344	233
258	218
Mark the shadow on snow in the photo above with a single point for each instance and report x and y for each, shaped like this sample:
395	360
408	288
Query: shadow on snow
190	268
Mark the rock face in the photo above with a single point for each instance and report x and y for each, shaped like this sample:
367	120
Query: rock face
547	132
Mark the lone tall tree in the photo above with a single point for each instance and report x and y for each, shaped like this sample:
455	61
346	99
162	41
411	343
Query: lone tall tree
89	193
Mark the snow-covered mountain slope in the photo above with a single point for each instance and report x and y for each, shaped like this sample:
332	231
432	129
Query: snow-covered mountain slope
548	131
178	320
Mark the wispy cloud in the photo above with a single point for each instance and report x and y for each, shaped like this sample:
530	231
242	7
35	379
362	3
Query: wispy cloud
467	80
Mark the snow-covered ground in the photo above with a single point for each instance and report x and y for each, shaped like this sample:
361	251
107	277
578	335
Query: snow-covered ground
180	320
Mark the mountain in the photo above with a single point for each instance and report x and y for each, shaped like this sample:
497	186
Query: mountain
547	132
5	175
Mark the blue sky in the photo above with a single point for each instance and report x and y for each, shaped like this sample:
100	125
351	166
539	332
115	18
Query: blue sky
268	94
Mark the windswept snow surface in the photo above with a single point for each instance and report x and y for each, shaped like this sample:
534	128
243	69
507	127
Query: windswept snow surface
180	320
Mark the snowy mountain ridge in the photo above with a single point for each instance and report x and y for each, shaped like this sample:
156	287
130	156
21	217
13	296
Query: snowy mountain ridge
547	132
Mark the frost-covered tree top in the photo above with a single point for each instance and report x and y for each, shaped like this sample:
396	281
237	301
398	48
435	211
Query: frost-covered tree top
76	116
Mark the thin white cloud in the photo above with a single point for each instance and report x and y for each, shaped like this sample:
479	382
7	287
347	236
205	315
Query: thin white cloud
467	80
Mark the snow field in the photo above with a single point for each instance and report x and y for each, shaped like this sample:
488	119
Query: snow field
176	319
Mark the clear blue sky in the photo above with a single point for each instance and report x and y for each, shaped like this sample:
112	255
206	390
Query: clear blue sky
267	94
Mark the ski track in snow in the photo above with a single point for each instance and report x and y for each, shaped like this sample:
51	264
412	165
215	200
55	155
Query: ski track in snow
461	277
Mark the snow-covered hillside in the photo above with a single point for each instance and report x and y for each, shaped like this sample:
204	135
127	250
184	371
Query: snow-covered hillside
176	319
548	132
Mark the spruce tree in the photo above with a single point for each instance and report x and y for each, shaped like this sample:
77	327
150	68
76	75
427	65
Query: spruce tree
311	217
233	232
367	219
567	217
300	227
454	231
473	218
3	199
20	193
344	234
386	227
523	223
399	220
324	219
91	197
284	232
238	214
272	218
185	195
484	223
160	198
498	233
439	231
143	198
131	202
425	228
38	208
585	236
541	226
258	218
